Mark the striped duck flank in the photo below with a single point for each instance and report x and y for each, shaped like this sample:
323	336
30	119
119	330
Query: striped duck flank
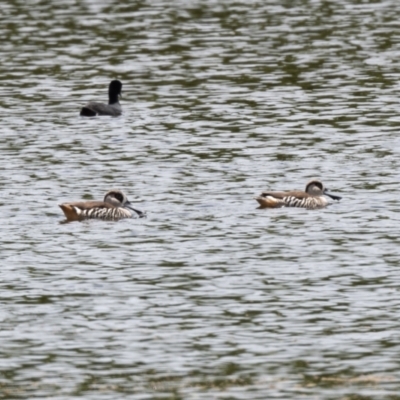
114	207
113	107
312	198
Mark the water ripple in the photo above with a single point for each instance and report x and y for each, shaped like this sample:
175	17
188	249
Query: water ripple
208	297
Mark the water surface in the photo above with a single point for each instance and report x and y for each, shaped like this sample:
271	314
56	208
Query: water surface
208	297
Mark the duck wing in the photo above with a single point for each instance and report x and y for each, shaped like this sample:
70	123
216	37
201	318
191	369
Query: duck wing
279	199
73	211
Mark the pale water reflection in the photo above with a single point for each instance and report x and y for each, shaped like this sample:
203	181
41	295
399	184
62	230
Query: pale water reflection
208	297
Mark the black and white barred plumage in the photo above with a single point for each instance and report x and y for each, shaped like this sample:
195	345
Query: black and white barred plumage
106	214
308	202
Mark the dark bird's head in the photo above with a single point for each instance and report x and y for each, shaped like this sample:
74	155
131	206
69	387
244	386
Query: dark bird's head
114	91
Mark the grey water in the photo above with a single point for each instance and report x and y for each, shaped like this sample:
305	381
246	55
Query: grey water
208	297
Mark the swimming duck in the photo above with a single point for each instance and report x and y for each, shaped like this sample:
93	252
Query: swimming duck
311	198
114	207
113	107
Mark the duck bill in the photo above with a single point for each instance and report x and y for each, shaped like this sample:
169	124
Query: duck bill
332	196
138	212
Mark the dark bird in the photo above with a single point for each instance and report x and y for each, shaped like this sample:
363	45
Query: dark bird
113	107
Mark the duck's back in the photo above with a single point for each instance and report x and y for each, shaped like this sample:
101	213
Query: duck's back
290	199
92	109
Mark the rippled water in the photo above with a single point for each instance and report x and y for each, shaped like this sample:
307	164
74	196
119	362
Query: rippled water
208	297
